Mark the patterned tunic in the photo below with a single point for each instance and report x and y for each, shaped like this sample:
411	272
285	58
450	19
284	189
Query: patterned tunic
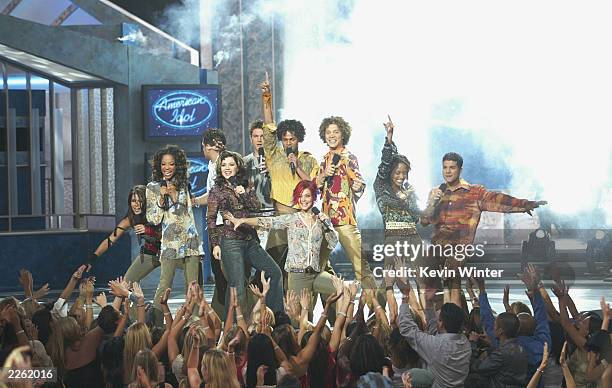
304	242
222	198
401	207
179	234
456	217
283	181
338	197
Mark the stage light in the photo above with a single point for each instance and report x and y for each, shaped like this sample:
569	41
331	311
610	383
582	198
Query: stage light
538	247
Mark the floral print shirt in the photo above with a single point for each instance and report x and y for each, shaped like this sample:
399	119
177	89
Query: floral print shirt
394	207
304	241
338	197
222	198
179	237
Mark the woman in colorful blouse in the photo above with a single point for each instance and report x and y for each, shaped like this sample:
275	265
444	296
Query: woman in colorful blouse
149	237
235	246
305	233
169	204
396	198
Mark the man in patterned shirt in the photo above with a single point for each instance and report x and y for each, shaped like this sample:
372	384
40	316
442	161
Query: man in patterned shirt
455	212
341	186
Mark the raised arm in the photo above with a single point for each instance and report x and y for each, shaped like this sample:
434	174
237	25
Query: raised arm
123	225
266	100
504	203
486	314
560	290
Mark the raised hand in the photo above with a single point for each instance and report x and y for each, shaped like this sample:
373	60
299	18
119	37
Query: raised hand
265	283
261	374
100	300
137	290
79	272
544	362
333	298
25	279
506	298
389	128
164	297
389	280
402	281
256	291
89	287
41	292
291	303
407	380
560	289
233	297
563	357
305	295
605	308
118	289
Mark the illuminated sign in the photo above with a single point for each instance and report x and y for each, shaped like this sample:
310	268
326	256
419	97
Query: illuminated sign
180	110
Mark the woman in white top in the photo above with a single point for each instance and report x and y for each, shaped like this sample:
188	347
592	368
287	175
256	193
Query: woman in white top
305	233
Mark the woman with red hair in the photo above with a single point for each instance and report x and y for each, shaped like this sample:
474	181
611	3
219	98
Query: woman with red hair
305	232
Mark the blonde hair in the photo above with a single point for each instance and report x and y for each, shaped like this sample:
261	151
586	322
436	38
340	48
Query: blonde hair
137	338
65	331
147	360
195	329
256	318
220	370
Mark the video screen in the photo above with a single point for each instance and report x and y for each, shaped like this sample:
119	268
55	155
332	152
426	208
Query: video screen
180	110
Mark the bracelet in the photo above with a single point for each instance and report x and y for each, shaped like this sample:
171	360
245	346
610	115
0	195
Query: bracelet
166	314
19	332
141	305
206	328
239	316
539	370
324	315
211	312
341	313
276	348
378	307
89	306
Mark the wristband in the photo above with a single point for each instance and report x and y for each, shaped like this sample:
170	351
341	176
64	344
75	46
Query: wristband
239	316
211	312
141	305
166	314
19	332
389	288
378	307
276	348
341	313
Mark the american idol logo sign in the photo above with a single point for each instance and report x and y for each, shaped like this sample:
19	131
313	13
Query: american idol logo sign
182	109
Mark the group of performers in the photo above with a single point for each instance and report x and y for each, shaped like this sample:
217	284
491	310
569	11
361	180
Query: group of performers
294	254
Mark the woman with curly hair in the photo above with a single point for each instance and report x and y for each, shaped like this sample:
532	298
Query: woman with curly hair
169	204
149	237
232	194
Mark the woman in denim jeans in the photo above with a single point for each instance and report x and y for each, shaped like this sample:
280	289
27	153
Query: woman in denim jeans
235	247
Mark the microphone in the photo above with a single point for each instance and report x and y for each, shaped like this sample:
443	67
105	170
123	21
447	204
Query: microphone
292	165
335	160
327	223
443	188
164	183
262	157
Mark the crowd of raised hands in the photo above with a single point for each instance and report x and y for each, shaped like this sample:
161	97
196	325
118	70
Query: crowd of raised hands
361	338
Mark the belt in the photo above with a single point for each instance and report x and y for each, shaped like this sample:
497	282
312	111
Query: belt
308	270
391	225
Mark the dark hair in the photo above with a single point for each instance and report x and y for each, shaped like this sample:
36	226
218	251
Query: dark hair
317	368
181	175
453	157
367	355
344	127
472	325
284	337
397	160
254	125
112	361
260	352
527	324
107	319
140	191
213	136
452	316
401	351
281	318
520	307
509	324
42	319
303	185
293	126
240	174
289	381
